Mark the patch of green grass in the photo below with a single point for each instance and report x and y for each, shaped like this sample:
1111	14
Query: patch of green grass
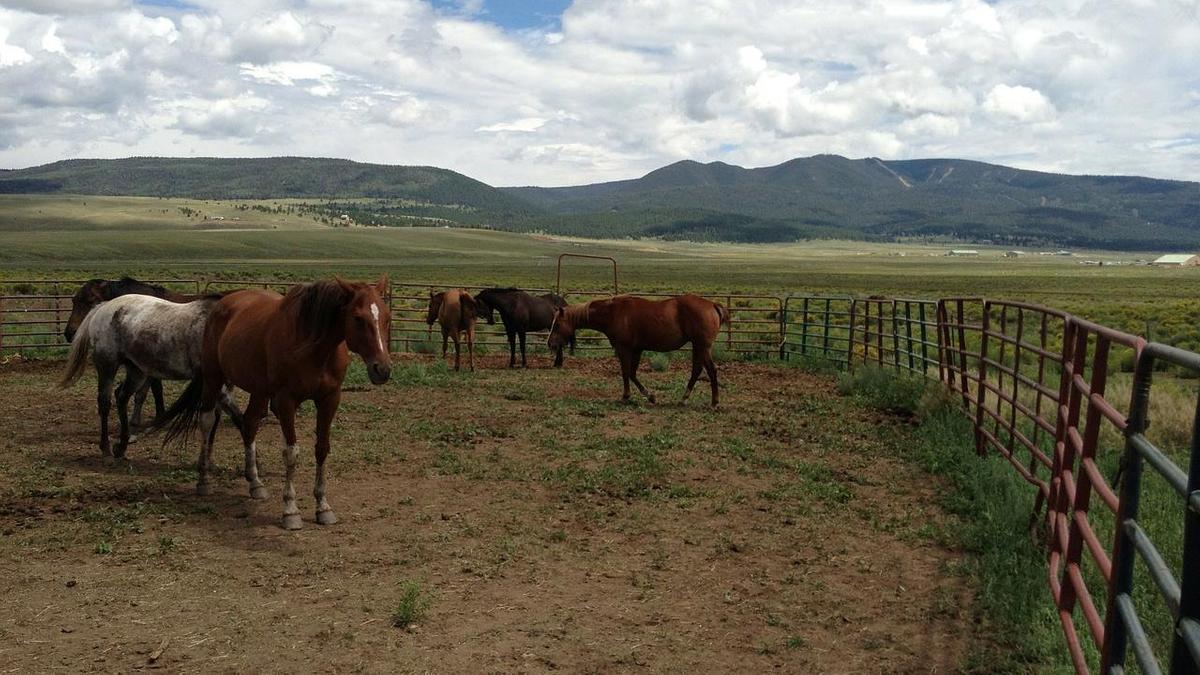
413	605
992	505
625	467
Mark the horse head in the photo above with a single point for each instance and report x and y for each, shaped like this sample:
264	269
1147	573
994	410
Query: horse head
367	319
483	307
88	296
562	330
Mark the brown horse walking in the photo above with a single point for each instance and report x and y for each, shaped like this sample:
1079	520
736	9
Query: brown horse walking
455	311
284	350
634	325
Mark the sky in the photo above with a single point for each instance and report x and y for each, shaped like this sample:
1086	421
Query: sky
563	93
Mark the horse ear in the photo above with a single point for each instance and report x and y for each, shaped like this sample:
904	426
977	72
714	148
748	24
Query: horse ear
343	284
381	286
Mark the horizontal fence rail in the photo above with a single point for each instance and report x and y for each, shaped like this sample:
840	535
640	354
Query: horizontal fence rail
1035	383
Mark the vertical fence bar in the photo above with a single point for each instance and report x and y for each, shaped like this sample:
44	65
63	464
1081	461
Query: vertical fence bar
1183	661
981	393
804	328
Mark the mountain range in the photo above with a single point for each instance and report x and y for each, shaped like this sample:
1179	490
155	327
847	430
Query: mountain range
820	196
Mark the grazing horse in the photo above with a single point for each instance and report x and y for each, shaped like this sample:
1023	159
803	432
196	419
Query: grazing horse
634	325
96	291
455	311
151	338
521	313
284	350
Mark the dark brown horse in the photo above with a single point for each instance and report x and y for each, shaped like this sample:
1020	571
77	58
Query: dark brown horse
96	291
521	312
634	325
455	311
284	350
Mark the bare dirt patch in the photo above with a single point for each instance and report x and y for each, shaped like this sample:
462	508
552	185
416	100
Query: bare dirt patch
543	524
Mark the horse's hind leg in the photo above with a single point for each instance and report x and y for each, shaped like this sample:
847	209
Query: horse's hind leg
512	349
471	346
250	423
285	410
711	368
208	430
326	409
624	358
698	357
522	336
135	381
105	375
634	360
457	353
156	388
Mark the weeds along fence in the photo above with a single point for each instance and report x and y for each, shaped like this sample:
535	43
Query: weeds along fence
1068	403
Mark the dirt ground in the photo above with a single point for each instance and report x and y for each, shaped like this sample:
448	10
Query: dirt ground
540	524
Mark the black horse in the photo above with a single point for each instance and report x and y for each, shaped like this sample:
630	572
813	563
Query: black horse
97	291
521	313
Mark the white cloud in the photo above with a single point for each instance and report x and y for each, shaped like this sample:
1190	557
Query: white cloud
616	90
1019	103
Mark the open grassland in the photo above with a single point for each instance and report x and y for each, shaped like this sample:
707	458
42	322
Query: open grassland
1164	303
502	521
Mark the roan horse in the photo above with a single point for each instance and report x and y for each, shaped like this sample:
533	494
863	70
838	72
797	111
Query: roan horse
151	338
96	291
284	350
455	311
634	325
521	313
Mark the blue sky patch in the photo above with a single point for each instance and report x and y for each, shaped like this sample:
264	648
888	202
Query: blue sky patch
514	14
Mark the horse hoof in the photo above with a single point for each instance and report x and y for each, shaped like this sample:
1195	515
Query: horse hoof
203	489
133	439
292	521
259	492
326	518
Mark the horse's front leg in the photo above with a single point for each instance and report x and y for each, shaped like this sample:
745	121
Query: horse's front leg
326	409
512	349
135	381
285	411
139	402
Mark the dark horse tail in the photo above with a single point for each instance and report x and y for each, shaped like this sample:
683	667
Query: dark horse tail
722	314
184	414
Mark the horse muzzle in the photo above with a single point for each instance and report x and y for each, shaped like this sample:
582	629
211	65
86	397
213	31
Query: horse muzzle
379	372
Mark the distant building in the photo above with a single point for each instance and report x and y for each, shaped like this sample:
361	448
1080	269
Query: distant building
962	252
1178	260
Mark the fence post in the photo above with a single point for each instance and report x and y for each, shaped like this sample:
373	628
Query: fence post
782	329
981	393
850	342
804	328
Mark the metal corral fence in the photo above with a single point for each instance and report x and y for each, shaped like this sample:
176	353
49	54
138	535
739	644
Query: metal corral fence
1034	382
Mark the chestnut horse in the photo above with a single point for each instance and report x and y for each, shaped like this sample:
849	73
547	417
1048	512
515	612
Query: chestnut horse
284	350
455	311
634	325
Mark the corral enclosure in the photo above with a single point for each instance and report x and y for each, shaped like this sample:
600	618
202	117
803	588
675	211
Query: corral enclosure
1013	411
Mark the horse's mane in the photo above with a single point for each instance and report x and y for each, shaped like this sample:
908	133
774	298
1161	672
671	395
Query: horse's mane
127	285
579	314
317	307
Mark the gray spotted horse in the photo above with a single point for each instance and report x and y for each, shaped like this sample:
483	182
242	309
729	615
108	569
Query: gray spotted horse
149	337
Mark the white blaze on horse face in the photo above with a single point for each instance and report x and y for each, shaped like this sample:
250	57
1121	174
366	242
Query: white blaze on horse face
378	333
